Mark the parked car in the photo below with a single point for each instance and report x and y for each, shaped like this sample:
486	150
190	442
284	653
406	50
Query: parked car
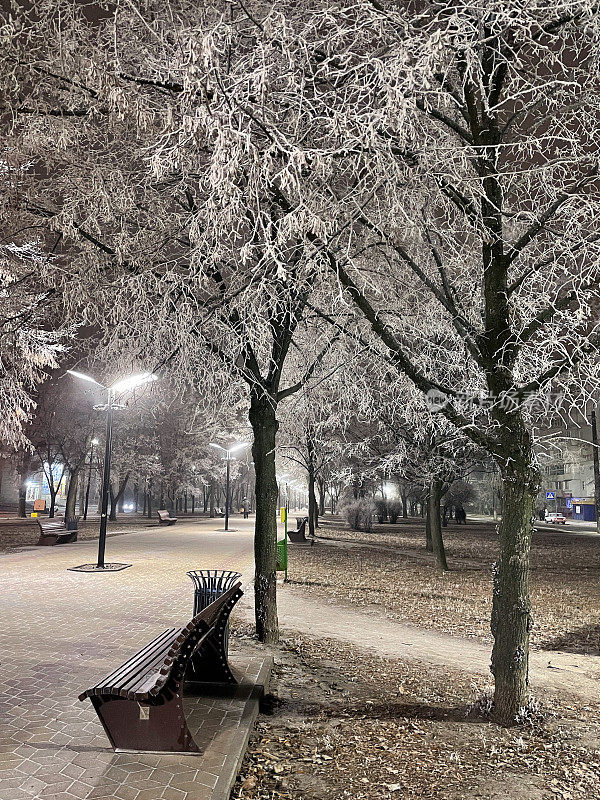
556	519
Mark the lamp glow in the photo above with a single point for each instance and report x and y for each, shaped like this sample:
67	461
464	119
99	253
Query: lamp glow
84	377
133	381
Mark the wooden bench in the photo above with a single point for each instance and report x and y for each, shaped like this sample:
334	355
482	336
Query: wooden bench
164	518
54	531
299	535
140	704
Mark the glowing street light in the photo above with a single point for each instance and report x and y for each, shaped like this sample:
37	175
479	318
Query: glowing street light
228	451
118	388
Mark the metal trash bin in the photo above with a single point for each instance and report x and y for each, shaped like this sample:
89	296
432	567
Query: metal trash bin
210	584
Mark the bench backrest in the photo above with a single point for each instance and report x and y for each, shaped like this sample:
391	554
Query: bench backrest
163	513
51	524
202	622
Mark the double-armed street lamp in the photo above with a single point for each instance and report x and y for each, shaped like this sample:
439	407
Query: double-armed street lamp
118	388
228	451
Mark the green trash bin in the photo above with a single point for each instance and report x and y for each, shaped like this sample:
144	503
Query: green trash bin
281	556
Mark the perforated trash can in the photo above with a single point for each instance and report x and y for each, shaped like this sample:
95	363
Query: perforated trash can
210	584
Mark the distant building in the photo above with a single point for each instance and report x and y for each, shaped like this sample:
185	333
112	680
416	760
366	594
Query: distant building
568	475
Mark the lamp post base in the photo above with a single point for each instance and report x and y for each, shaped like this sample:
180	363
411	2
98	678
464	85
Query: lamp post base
95	568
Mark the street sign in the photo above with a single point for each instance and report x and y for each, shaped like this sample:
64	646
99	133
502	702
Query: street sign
569	503
550	495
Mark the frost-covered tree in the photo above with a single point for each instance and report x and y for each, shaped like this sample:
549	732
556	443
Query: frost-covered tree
155	183
31	334
435	167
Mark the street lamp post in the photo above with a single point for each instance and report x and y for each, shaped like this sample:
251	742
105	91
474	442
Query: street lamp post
228	452
120	386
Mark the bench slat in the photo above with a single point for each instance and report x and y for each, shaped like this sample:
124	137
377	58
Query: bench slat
135	663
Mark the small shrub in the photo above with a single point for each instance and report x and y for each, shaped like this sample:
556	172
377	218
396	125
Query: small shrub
359	514
381	510
394	510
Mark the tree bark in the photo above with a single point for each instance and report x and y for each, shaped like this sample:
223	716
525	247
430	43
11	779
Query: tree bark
511	607
262	416
72	494
435	524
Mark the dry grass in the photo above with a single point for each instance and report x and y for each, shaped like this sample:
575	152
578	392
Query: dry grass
390	568
343	724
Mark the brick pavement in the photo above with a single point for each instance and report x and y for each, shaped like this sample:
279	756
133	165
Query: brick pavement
62	630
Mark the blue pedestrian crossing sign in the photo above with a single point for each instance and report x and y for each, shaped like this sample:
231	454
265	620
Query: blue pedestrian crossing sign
550	495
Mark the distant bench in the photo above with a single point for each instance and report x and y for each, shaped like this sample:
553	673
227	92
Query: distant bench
299	535
140	704
164	518
53	531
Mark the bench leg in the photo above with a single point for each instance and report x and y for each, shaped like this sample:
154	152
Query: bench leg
156	728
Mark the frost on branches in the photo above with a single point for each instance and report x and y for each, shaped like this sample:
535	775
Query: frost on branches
215	170
29	339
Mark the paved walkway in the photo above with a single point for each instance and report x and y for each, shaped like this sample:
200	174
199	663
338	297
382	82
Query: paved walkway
61	630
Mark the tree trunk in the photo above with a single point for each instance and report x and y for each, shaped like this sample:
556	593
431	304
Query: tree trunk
23	475
116	499
435	524
52	489
322	493
404	506
121	501
149	501
511	605
72	494
212	497
312	503
428	537
82	487
136	497
262	416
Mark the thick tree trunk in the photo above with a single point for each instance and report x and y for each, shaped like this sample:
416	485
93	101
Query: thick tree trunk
149	501
511	605
72	494
435	524
262	416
